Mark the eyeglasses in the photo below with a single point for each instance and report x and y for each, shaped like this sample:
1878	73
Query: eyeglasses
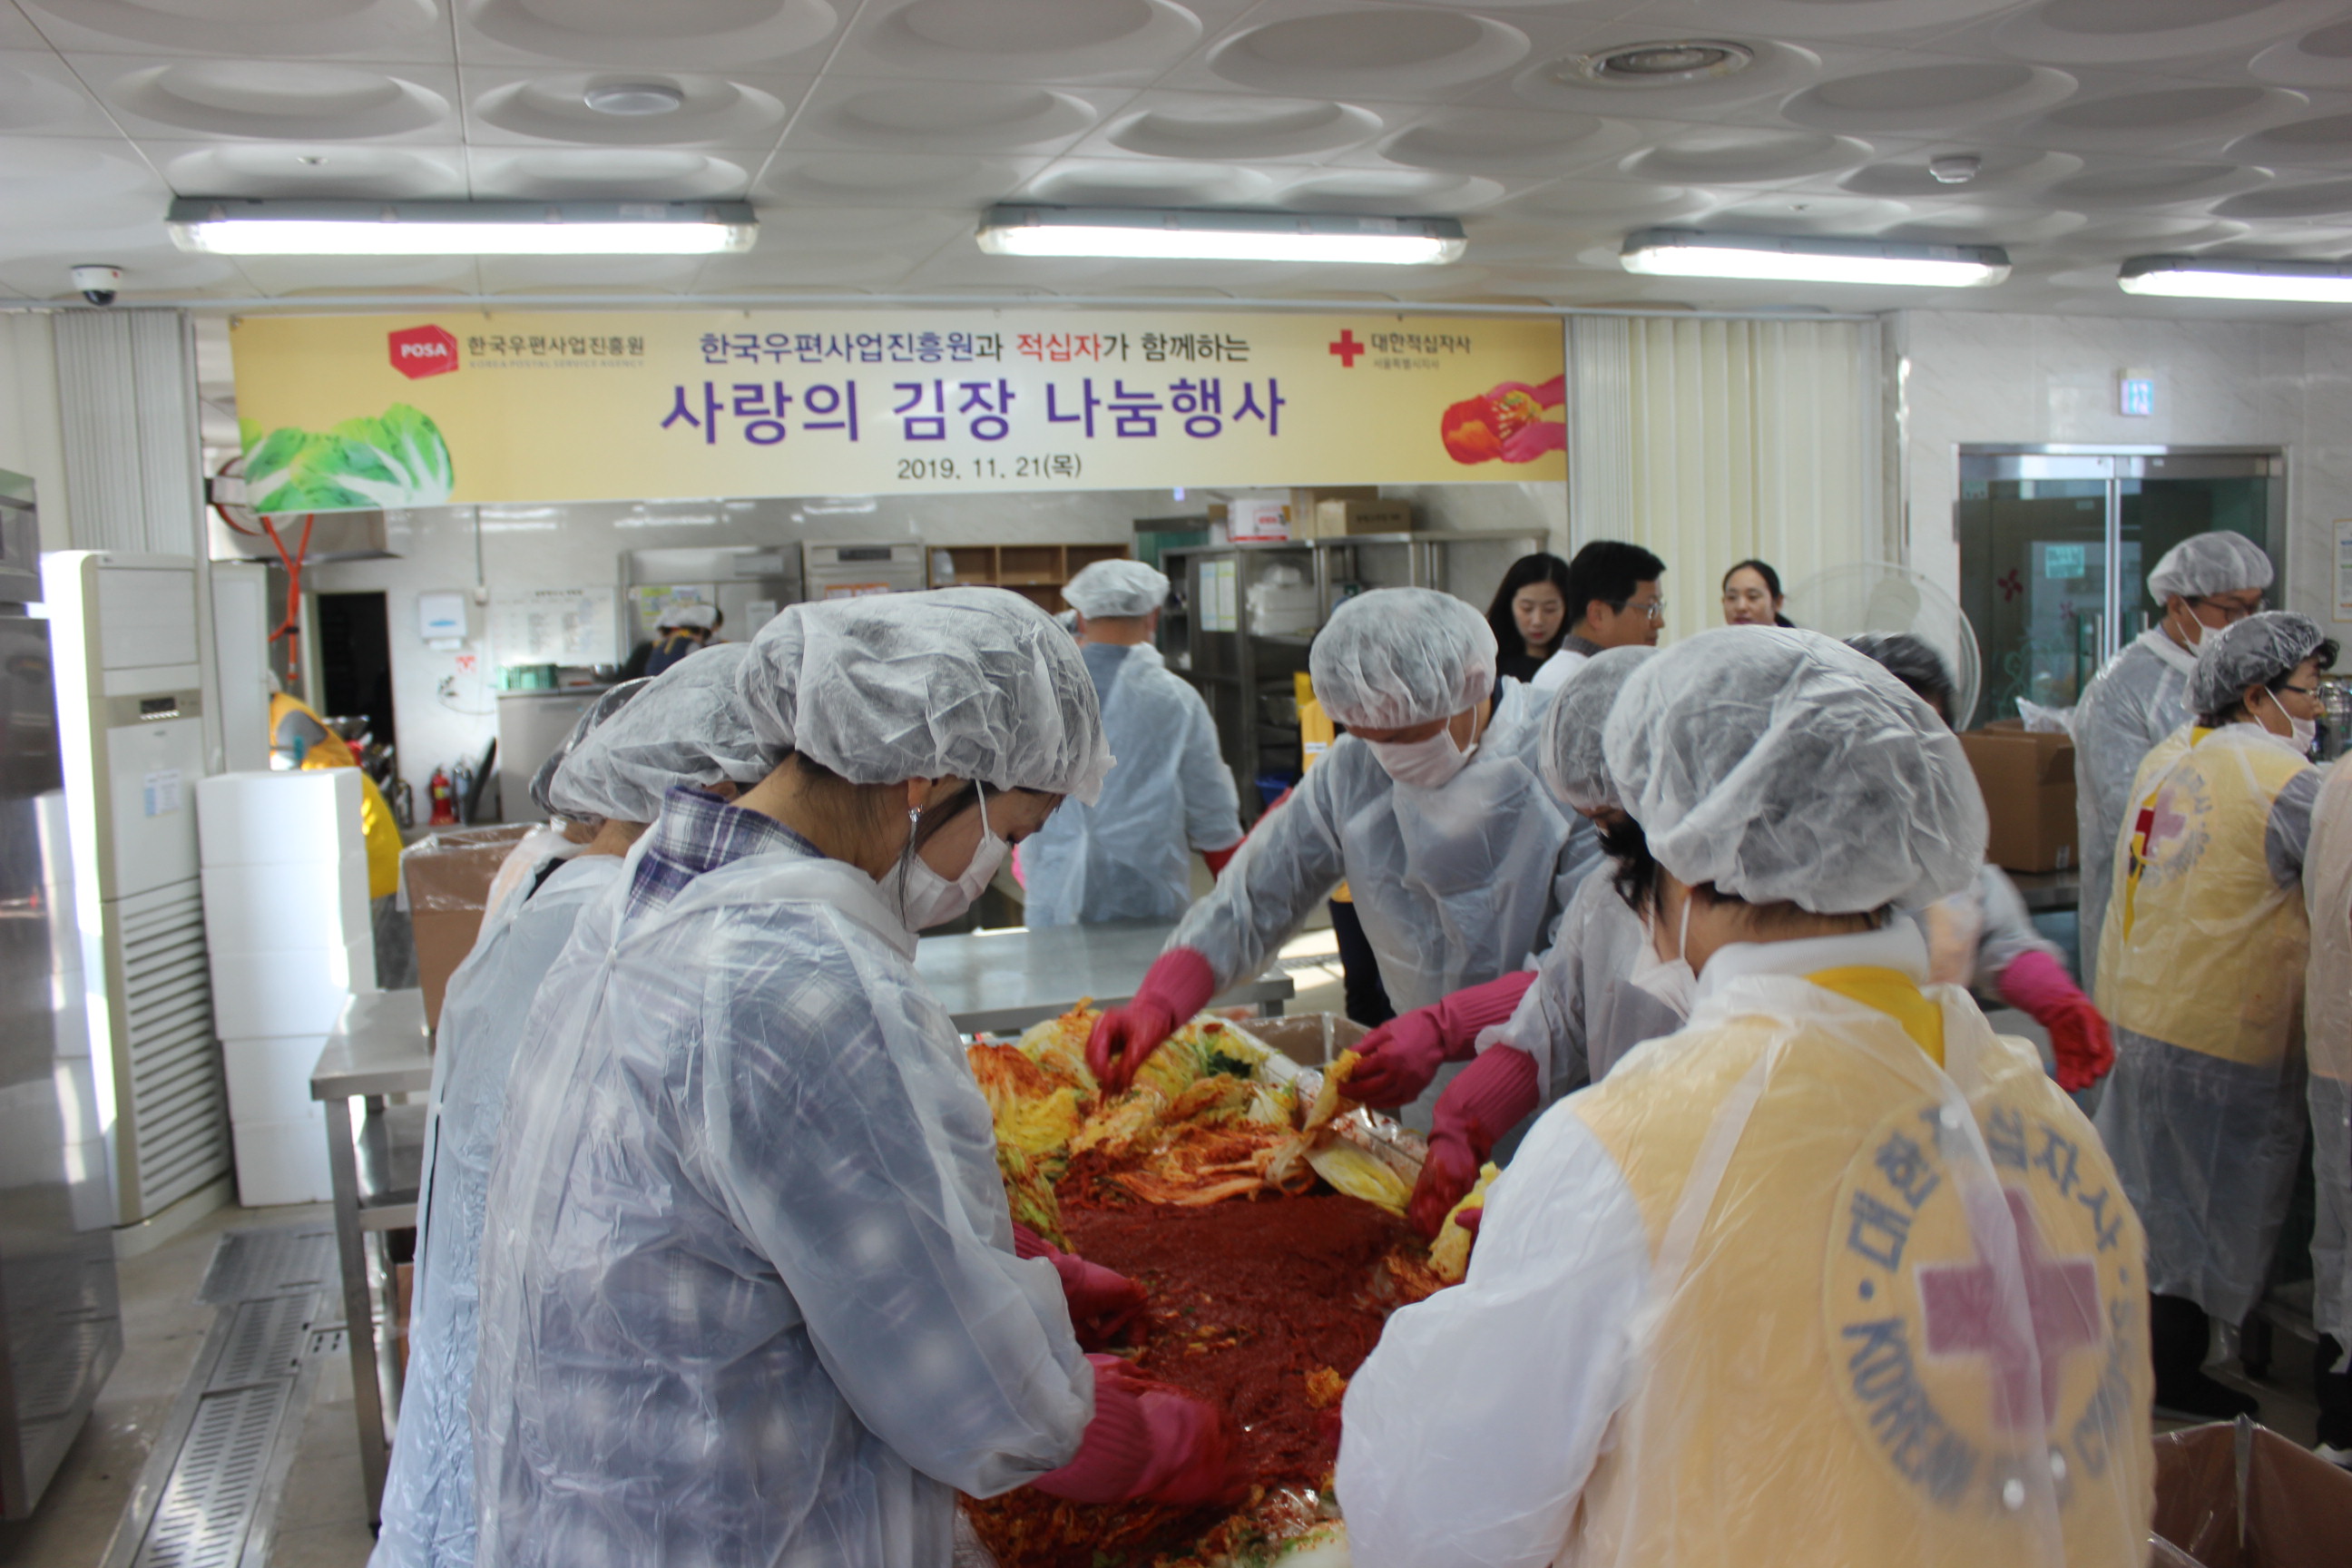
2302	690
1655	609
2232	613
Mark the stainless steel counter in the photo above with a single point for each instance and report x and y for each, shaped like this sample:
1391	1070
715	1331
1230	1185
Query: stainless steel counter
1004	981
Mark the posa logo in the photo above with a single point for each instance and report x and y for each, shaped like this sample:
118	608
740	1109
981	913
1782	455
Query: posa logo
420	351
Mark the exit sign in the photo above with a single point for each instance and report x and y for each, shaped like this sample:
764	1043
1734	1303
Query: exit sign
2136	394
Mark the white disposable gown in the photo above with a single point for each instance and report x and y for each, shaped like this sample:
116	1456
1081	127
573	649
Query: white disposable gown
2139	699
1583	1013
428	1494
2328	1023
1687	1335
1128	855
750	1293
1974	935
1455	886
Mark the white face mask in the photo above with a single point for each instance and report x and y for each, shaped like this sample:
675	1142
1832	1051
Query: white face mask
926	898
1670	980
1430	764
2191	630
2306	731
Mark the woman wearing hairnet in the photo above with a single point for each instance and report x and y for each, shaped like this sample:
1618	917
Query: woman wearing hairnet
1981	937
749	1291
606	784
2327	1034
1600	991
1831	1274
2201	970
1431	808
1129	857
2205	583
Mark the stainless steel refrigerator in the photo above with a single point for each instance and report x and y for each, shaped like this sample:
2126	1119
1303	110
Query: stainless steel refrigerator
60	1322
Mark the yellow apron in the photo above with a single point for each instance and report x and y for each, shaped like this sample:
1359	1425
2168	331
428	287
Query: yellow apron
2203	950
376	812
1836	1372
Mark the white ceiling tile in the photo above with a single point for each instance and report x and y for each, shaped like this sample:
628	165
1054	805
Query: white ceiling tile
609	173
2104	183
1403	191
1588	204
781	36
2289	203
898	114
2314	141
1396	54
1508	142
1807	213
425	275
270	100
1745	154
2158	118
40	96
2005	169
310	169
1559	78
1874	22
893	180
1245	126
410	31
1966	224
39	265
52	182
1078	42
1911	95
505	106
1155	181
2117	32
2321	58
587	274
808	265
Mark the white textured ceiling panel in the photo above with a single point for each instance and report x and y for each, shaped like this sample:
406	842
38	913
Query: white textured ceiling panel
872	133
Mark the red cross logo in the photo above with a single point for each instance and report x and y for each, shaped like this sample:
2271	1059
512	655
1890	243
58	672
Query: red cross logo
1347	348
1962	1313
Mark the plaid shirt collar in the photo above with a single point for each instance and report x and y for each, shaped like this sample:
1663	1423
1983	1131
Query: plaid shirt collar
698	832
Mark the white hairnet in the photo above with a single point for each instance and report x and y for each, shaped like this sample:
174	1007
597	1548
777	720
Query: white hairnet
2216	563
1398	656
686	726
603	708
1116	589
2252	652
973	683
1784	766
688	618
1573	762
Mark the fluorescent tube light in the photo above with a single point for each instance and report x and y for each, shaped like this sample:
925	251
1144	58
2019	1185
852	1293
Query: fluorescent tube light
223	227
1157	234
2222	277
1686	253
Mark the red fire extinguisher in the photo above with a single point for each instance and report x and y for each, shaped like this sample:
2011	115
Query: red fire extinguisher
445	798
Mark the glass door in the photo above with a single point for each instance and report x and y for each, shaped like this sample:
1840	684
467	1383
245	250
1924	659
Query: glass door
2056	543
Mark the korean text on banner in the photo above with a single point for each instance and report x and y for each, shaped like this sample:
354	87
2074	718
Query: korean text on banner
347	413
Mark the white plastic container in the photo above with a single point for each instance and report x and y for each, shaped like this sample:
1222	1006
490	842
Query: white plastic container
1257	521
282	1161
269	1080
277	819
289	992
265	909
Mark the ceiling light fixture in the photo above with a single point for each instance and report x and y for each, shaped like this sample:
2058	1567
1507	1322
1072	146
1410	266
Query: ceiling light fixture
634	99
225	227
1663	64
1157	234
1686	253
2230	278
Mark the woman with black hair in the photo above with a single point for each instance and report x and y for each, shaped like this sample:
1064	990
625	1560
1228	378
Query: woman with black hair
1752	597
1529	611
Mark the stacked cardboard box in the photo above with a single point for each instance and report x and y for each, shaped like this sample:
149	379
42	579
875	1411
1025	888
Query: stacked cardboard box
447	878
2028	780
286	920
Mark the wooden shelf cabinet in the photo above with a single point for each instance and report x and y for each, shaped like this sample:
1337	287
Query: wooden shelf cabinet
1035	571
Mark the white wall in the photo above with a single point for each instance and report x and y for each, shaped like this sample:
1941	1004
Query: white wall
1992	378
31	441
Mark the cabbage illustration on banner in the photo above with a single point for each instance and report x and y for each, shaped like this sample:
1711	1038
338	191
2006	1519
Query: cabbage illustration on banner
396	459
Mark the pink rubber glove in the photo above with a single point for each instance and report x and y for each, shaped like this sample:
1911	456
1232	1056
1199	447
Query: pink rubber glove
1102	1301
1486	1102
1396	1061
2036	984
1179	985
1146	1443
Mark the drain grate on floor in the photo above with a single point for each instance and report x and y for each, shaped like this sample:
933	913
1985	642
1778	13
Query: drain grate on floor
207	1511
266	1341
280	1260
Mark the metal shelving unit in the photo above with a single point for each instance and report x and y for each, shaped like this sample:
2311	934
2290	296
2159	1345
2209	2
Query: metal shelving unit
1232	666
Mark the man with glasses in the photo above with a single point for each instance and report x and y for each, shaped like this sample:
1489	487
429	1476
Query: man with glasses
1613	593
2205	583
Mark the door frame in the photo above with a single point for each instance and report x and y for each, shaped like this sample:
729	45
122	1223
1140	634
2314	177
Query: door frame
2113	463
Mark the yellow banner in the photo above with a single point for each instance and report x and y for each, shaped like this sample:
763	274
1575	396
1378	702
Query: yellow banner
343	412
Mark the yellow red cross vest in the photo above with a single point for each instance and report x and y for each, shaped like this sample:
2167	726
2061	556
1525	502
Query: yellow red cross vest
383	832
1828	1382
2203	950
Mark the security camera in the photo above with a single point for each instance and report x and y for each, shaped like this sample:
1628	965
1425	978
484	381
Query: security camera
98	283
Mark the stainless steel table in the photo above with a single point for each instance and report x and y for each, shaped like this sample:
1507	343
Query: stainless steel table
380	1048
1004	981
2048	891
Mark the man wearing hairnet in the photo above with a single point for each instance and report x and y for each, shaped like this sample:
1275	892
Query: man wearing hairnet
2205	583
1432	808
1600	991
605	785
750	1290
1831	1274
2201	969
2327	1032
1128	855
685	629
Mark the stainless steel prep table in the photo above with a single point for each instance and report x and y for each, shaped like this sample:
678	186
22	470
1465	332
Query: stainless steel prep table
1004	981
380	1048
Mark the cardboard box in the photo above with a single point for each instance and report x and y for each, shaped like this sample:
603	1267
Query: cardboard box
1305	500
2241	1496
1335	519
447	878
2028	780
